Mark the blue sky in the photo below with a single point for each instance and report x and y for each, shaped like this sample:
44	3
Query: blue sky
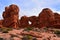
31	7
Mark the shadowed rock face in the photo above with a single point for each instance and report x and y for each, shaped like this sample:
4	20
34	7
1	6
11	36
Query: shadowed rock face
24	21
1	21
34	21
56	22
45	17
10	16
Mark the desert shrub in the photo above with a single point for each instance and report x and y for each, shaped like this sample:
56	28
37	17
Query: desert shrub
12	35
27	37
34	38
1	29
5	30
28	29
1	38
57	33
9	29
44	39
24	38
37	29
45	29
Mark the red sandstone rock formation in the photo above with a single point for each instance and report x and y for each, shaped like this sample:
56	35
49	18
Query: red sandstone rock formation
34	21
45	17
56	22
10	16
24	22
1	21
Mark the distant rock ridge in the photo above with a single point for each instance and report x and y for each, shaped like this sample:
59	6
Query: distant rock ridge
46	18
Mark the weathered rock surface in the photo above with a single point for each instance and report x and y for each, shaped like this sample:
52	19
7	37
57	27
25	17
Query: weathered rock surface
24	21
34	21
10	16
45	17
1	23
56	22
